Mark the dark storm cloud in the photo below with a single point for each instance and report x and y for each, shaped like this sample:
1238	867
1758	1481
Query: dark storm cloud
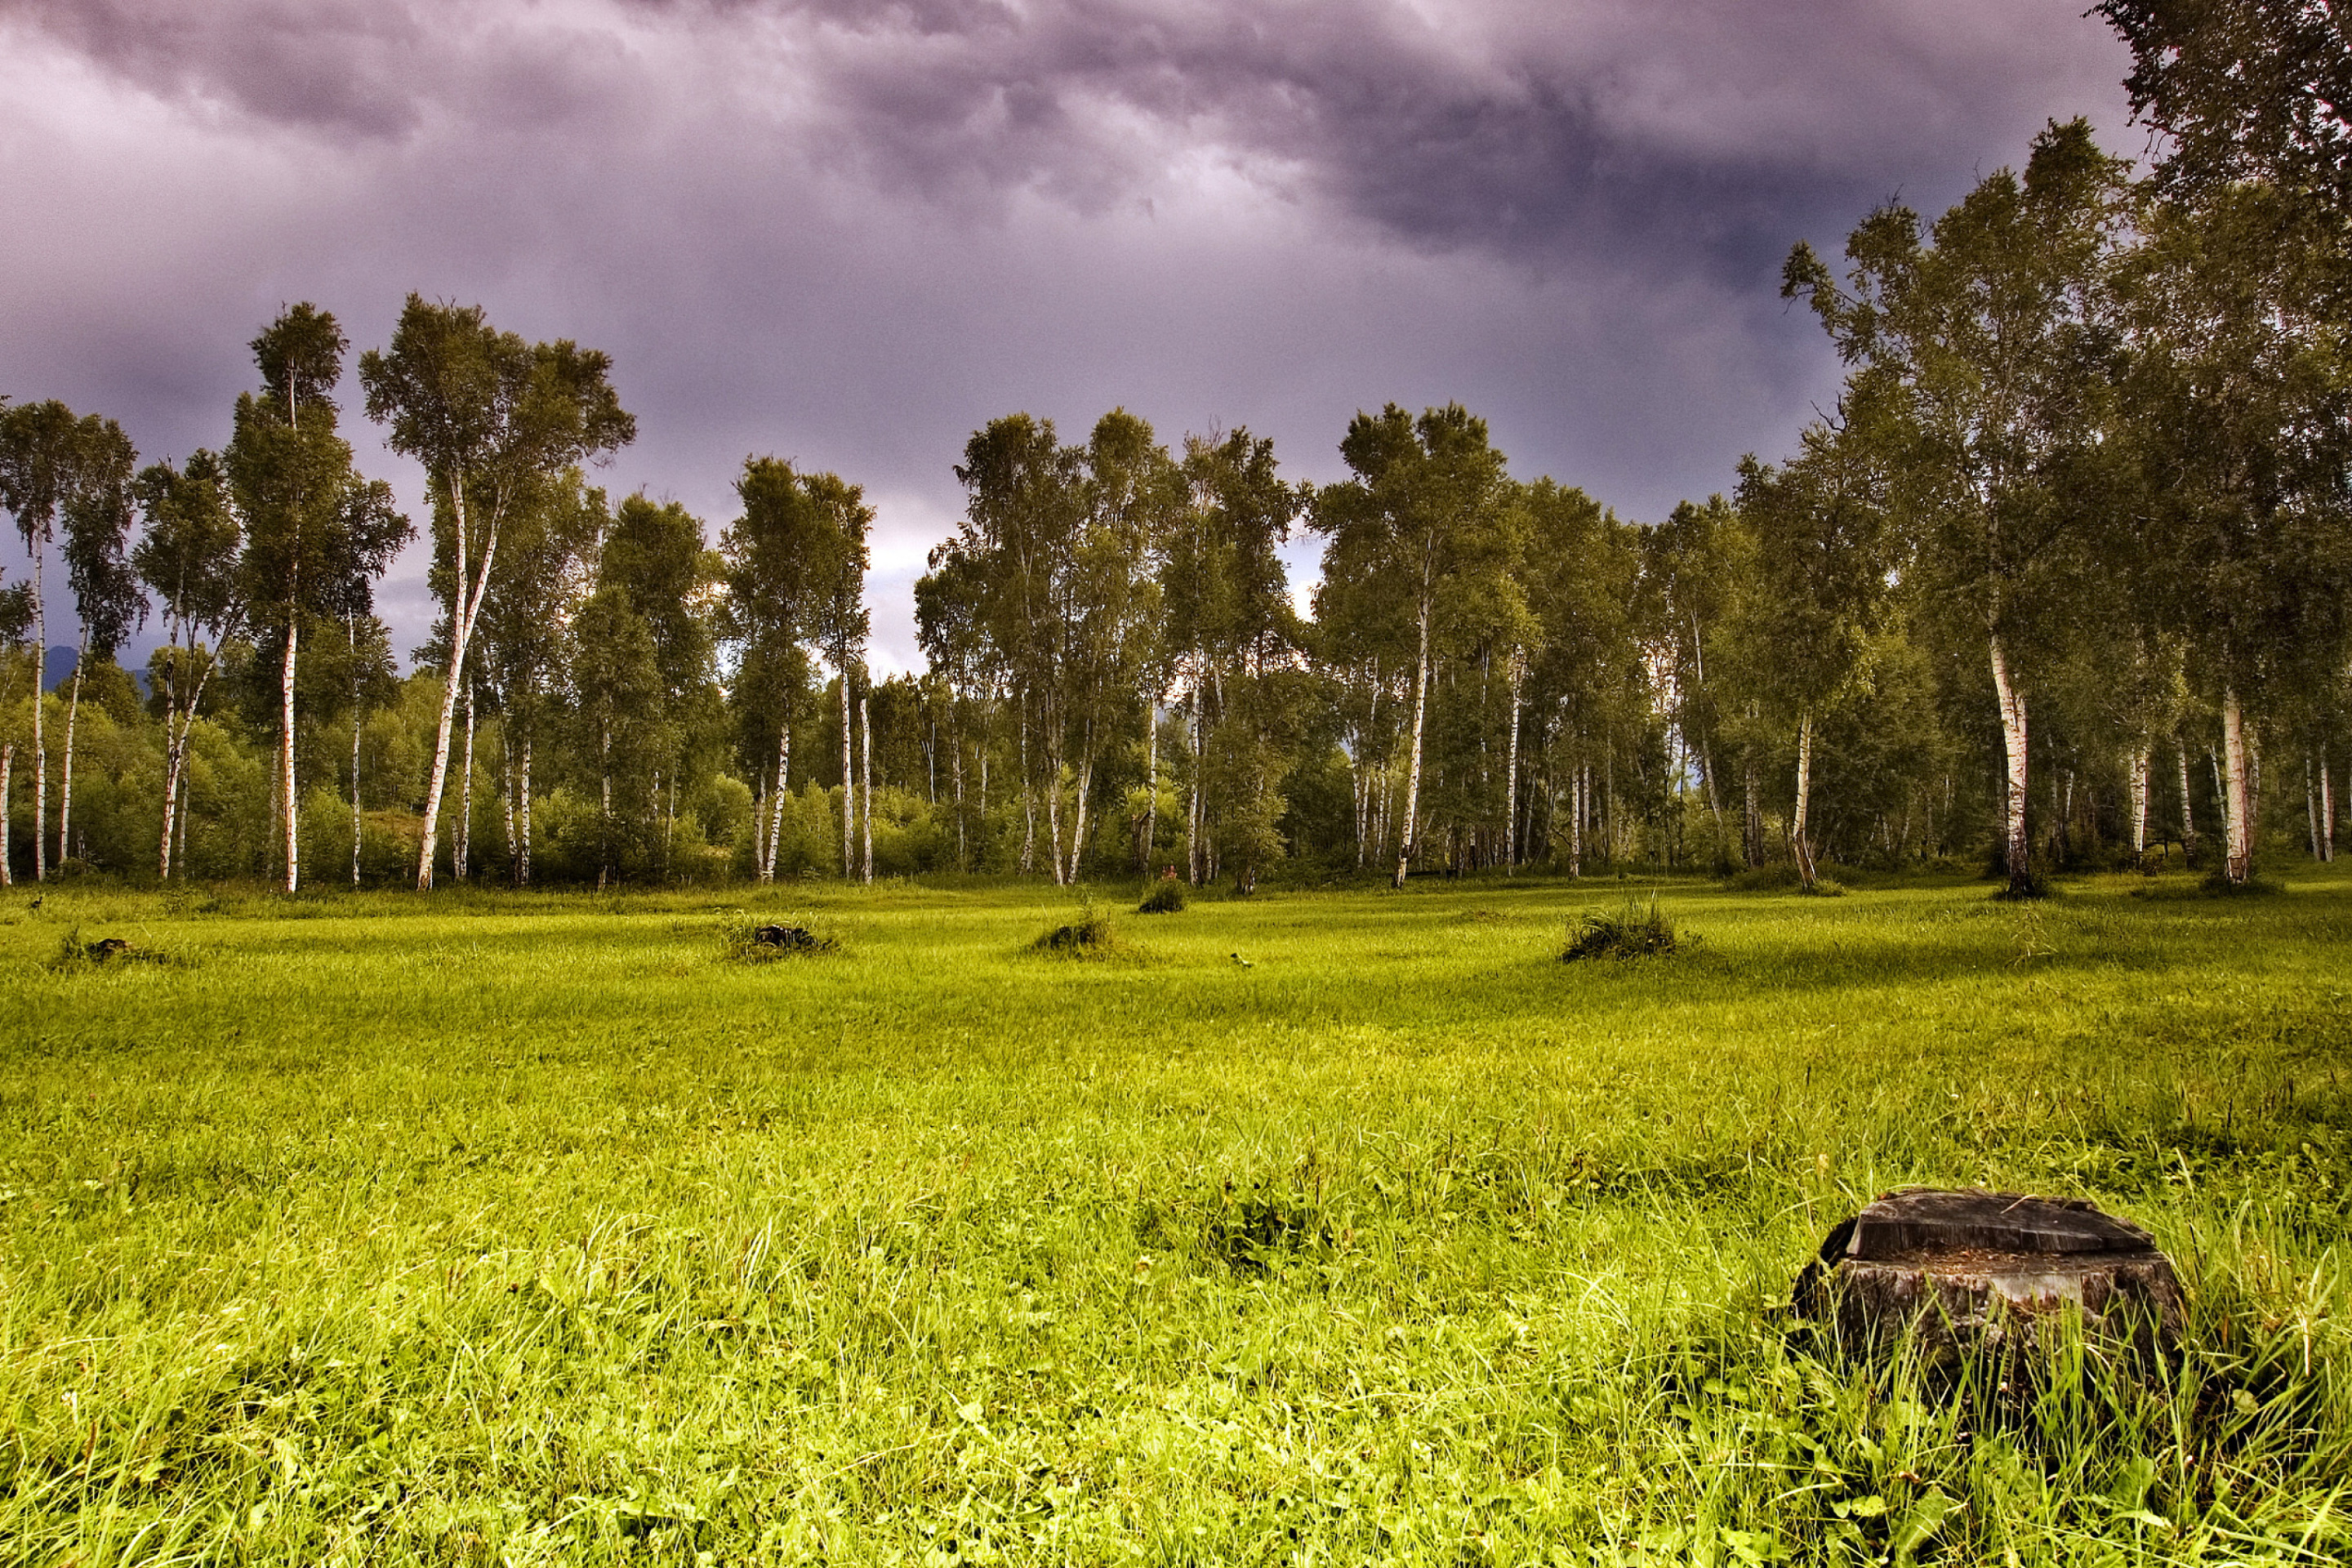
851	233
1526	128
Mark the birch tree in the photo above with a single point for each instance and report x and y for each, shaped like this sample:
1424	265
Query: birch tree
39	443
1428	508
774	558
2237	412
187	555
107	602
1980	329
542	576
492	420
15	621
311	524
1819	590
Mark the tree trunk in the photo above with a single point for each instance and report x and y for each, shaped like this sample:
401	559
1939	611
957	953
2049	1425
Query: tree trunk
1028	793
524	845
1796	839
1196	859
1751	821
2139	763
1405	845
40	745
2311	804
506	794
2019	849
462	616
848	789
2327	810
1086	783
866	768
2188	811
2237	817
461	842
955	775
1576	823
65	764
286	757
8	851
776	803
604	804
1511	773
1150	785
355	781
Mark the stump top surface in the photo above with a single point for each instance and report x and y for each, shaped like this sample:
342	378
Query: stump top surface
1906	1225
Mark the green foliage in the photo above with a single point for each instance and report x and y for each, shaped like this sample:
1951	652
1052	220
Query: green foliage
1166	897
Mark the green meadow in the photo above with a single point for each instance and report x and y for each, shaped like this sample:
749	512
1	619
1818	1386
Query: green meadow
1333	1227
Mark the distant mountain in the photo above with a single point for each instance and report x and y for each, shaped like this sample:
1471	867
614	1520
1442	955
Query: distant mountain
56	671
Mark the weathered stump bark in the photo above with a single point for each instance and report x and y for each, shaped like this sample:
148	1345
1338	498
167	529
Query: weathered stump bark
1959	1271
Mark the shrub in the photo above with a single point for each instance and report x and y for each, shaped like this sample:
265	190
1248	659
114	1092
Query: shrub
1166	897
1633	931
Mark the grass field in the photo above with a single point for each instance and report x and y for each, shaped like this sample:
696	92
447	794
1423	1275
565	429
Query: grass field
481	1229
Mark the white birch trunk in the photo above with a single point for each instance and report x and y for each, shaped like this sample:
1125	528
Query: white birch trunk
356	822
1405	846
2139	765
1576	824
2237	817
461	842
507	790
2187	812
7	854
2311	804
1797	823
2327	810
775	814
866	770
524	842
471	592
1511	773
2019	851
286	757
65	764
40	744
848	790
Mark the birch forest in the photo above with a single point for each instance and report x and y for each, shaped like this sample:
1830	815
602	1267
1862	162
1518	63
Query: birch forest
2060	581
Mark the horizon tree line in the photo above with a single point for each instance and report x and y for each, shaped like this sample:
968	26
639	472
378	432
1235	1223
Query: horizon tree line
2071	548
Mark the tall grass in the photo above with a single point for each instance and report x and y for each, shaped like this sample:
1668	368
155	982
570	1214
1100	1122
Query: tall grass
473	1231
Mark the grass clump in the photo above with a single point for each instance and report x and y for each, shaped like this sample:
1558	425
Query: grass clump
745	941
108	951
1088	936
1636	931
2216	884
1166	897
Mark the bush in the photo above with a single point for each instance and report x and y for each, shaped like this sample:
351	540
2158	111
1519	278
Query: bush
1633	931
1166	897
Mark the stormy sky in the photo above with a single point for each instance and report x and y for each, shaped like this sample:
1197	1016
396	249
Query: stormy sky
849	234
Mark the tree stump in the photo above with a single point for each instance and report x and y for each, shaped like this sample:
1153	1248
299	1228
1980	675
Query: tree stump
1960	1271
